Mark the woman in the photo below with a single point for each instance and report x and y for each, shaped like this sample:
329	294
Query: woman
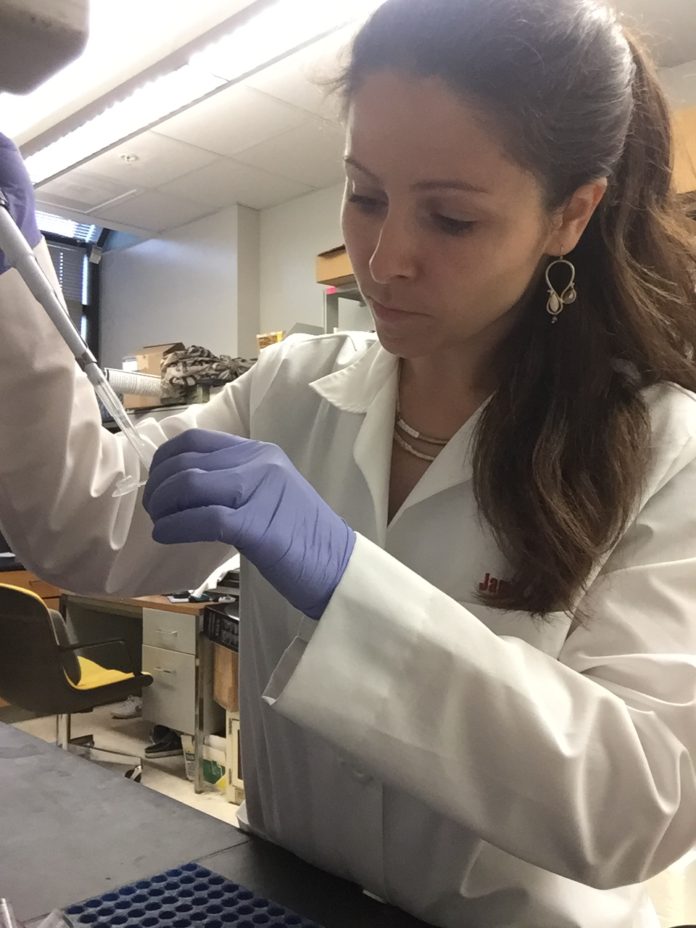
475	696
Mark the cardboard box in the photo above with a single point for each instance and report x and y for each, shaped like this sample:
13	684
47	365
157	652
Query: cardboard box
264	339
333	267
133	401
233	761
684	125
148	360
226	678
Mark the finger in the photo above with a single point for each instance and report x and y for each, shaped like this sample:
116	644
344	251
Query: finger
229	458
167	461
201	441
208	523
191	460
193	488
7	143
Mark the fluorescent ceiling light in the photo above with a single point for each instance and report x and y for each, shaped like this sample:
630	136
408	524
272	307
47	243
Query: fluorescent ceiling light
145	106
126	37
277	31
67	228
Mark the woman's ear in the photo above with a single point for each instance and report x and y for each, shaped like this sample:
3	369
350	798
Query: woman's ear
572	219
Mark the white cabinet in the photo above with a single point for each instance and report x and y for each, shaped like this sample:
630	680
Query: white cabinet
179	659
171	698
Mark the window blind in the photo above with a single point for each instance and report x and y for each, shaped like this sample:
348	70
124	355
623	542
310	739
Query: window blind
70	263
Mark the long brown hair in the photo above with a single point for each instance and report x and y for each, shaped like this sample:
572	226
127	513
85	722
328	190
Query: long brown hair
563	446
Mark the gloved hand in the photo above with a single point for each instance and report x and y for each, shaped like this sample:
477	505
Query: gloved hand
19	192
211	486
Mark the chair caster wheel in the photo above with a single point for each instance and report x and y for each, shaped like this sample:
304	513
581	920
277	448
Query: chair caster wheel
135	774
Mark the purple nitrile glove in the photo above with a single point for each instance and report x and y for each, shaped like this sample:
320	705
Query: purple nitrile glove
19	193
211	486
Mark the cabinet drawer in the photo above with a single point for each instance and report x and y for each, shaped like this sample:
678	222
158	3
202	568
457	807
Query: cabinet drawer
174	631
171	698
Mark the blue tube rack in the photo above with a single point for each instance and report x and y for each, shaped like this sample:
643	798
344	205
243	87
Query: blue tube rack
186	897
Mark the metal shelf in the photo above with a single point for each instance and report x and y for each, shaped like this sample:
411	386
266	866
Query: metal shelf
347	291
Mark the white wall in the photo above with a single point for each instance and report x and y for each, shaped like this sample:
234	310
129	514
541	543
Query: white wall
680	84
248	281
292	234
182	286
221	280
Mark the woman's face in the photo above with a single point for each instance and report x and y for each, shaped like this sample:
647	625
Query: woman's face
444	232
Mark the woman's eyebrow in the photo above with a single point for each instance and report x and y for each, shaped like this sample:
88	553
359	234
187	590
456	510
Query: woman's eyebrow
423	184
353	162
450	185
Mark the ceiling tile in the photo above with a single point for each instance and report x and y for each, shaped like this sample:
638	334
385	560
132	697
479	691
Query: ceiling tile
311	154
82	190
232	120
80	216
300	79
226	182
153	210
160	159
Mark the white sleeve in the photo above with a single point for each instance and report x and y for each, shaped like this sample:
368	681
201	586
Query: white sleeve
59	466
584	765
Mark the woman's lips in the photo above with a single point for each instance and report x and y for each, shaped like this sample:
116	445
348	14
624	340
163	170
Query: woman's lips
389	313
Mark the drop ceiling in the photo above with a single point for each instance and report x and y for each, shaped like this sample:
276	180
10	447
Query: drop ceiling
268	140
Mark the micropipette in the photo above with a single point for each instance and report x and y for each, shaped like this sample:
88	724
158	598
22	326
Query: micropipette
19	255
7	919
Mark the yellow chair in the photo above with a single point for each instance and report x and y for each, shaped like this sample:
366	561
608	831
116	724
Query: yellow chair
43	671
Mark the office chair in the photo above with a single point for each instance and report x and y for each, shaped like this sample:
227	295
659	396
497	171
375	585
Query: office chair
43	671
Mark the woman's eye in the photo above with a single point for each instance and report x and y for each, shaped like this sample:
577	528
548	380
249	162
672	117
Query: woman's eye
368	204
454	226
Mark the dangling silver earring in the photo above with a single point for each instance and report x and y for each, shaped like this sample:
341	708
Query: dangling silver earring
557	302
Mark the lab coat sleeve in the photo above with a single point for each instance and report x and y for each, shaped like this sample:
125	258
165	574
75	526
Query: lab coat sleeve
59	466
582	765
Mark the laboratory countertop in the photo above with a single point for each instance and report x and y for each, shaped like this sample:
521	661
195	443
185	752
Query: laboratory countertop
70	830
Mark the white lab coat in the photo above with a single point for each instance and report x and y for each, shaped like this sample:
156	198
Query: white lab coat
472	766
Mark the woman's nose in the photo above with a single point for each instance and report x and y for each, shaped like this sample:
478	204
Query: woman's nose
394	255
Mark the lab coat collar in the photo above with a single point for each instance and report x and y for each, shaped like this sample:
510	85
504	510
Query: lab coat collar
353	388
369	386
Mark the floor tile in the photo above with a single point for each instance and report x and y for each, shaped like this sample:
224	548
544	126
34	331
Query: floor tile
163	774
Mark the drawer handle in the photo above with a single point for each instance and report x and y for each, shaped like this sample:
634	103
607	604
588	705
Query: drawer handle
168	631
165	670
